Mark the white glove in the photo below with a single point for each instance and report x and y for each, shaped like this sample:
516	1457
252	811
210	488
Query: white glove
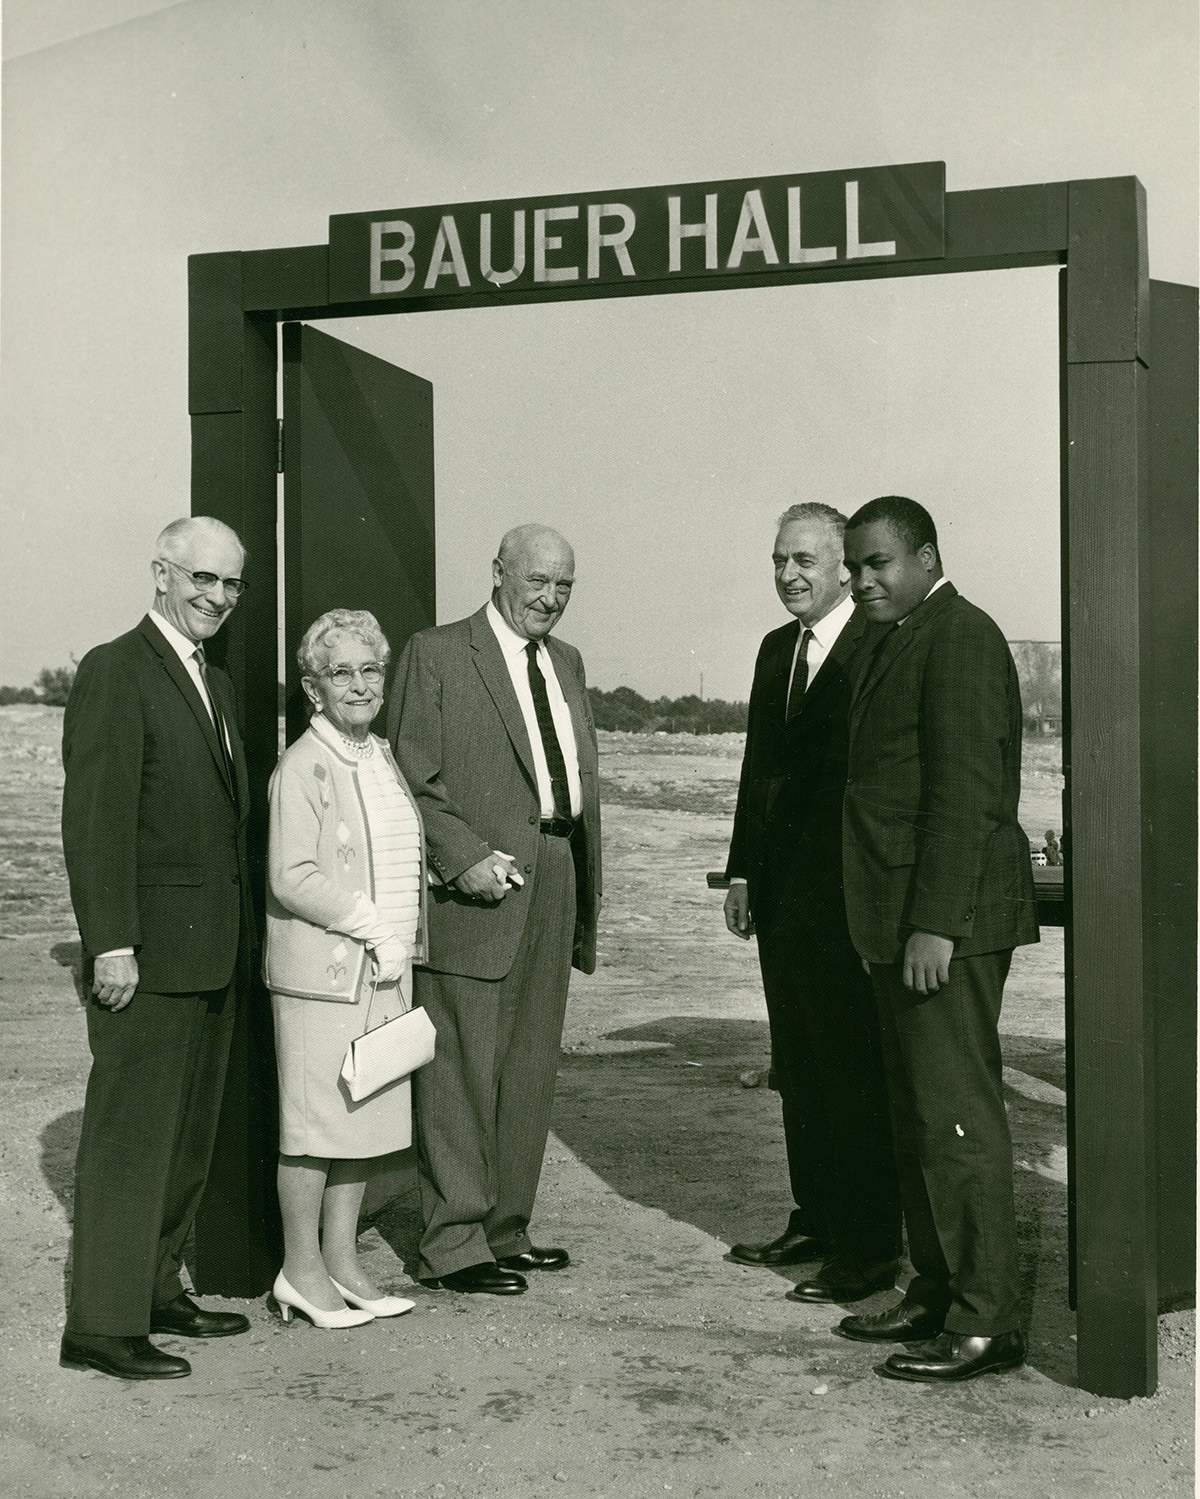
390	957
365	923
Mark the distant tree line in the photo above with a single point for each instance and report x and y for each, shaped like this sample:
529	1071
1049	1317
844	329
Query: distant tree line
52	686
623	708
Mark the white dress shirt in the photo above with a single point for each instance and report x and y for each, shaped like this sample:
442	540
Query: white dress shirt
513	647
186	649
824	637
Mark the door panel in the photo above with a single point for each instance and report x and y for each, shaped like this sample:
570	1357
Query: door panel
358	493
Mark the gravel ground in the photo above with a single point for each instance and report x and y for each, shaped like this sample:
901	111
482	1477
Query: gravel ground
653	1365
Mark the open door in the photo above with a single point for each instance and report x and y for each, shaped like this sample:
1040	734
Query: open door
358	528
358	493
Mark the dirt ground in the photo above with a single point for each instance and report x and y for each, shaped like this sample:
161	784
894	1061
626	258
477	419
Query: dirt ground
654	1365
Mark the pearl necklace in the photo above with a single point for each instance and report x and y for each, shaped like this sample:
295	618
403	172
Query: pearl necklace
361	749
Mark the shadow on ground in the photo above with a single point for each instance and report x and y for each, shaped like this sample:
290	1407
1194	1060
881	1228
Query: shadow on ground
660	1113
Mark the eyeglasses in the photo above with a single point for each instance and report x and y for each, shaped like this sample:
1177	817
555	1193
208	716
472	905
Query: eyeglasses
342	676
234	587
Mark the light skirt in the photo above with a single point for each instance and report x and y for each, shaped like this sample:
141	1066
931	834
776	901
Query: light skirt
317	1116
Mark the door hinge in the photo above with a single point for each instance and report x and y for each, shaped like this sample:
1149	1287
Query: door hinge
279	446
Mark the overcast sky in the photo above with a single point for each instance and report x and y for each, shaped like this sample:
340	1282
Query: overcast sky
662	435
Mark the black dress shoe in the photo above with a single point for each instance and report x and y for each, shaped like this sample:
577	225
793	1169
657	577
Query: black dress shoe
123	1358
488	1278
953	1356
837	1281
185	1319
903	1323
536	1259
788	1249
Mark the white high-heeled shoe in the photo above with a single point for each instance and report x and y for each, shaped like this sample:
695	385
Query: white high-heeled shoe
289	1298
382	1306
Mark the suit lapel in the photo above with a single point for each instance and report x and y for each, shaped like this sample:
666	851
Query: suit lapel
897	640
492	667
178	673
843	648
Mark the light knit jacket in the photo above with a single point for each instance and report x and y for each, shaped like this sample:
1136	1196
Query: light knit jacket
319	863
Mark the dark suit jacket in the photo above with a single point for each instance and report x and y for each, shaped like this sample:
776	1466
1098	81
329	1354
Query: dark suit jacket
932	841
152	833
461	742
787	830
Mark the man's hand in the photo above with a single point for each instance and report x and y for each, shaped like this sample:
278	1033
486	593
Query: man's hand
115	981
927	962
481	881
737	911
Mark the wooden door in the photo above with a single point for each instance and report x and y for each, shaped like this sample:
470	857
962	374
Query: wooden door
358	493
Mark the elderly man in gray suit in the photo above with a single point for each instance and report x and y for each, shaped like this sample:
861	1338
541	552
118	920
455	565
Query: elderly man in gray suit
491	725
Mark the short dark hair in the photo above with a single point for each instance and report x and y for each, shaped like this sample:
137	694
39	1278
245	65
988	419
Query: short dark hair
910	522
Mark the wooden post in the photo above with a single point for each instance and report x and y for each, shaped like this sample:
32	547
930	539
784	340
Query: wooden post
232	401
1105	448
1169	665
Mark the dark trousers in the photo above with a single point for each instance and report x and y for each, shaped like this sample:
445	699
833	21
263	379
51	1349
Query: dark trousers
953	1147
482	1106
829	1071
149	1122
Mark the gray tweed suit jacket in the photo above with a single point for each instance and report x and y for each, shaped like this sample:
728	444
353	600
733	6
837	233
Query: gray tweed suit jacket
460	739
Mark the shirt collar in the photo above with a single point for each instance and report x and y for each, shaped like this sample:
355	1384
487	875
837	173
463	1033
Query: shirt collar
827	630
930	594
511	643
176	639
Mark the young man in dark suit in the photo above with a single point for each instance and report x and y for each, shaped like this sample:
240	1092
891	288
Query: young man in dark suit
785	871
939	890
491	725
153	823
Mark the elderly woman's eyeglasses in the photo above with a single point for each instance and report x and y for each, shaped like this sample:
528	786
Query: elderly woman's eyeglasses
342	676
234	587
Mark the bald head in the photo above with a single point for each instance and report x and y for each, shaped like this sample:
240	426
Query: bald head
532	578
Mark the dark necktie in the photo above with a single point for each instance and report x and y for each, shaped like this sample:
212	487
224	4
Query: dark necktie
553	749
799	678
218	721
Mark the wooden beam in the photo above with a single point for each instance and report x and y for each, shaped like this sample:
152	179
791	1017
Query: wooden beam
1108	312
1003	228
233	477
1169	606
1111	1038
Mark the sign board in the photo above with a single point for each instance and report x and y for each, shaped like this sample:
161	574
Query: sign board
728	229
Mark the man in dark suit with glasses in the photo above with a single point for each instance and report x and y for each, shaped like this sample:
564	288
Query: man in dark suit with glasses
154	813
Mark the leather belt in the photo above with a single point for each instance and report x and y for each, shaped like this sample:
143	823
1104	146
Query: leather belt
559	827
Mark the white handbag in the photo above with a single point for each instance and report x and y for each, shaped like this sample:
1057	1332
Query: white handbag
389	1052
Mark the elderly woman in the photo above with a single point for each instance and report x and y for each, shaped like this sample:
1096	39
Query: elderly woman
345	919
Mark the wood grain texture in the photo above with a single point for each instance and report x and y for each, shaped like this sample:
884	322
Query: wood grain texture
1169	668
214	332
1112	1166
233	477
276	279
1108	313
